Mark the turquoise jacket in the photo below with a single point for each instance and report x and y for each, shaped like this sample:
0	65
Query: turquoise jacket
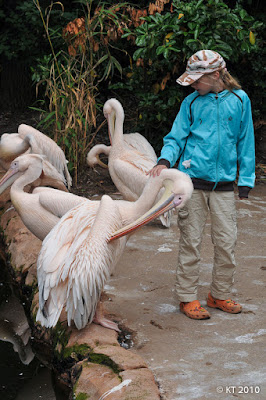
214	136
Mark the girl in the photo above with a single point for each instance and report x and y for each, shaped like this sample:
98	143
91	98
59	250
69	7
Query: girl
211	135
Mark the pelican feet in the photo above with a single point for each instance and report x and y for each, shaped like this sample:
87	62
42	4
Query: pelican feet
107	323
99	319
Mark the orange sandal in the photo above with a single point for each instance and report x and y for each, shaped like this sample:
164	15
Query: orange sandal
229	305
194	310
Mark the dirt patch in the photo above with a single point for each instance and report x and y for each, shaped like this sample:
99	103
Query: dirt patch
94	181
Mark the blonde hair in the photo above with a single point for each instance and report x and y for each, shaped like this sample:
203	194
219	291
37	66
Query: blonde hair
229	81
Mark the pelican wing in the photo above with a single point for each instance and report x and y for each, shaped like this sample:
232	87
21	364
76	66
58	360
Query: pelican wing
74	263
58	202
42	144
141	144
50	171
50	177
128	178
138	159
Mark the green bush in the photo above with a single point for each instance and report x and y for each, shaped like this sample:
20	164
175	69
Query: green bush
165	41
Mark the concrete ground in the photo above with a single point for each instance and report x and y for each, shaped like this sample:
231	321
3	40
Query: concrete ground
220	358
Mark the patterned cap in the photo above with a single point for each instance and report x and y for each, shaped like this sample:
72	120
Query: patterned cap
202	62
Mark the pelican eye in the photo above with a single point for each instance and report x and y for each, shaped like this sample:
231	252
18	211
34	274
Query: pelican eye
14	164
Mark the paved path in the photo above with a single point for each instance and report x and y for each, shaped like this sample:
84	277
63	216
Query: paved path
196	359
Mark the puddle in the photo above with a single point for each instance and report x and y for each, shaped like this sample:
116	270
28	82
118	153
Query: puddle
125	339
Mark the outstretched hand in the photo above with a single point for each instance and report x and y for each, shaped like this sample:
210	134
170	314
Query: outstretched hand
156	170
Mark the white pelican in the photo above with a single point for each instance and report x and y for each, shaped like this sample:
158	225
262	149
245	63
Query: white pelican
79	253
134	142
131	156
29	139
41	209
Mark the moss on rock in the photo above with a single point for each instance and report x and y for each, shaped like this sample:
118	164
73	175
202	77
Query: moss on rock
82	396
81	349
97	358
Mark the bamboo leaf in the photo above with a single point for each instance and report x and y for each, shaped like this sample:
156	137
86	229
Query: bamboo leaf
49	116
117	64
102	59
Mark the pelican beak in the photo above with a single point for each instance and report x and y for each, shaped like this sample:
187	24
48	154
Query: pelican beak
109	131
102	164
168	201
9	178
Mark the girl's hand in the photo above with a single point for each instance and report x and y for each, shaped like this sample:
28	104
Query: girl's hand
156	170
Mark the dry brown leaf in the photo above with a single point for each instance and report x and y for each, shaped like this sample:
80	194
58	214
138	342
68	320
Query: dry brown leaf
158	6
71	51
164	81
139	62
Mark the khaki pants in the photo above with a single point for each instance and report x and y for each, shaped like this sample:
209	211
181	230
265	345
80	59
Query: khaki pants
191	222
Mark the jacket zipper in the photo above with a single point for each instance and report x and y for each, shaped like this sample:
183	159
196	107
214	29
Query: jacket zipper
219	144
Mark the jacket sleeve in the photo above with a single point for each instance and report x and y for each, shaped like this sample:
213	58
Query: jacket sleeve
175	141
246	147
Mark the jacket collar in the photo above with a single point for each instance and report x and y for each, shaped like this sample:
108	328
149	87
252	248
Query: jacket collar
212	96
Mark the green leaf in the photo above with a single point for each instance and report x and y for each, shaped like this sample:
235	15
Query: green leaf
225	46
37	109
66	142
171	101
191	25
125	35
241	34
190	41
165	53
245	47
160	50
152	26
196	32
198	4
102	59
107	69
141	40
242	13
138	53
48	117
159	116
79	114
152	42
117	64
174	49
